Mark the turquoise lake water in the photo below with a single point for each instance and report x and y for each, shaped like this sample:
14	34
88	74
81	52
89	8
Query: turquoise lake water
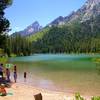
60	72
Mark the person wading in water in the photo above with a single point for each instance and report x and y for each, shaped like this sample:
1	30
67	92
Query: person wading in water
25	74
15	74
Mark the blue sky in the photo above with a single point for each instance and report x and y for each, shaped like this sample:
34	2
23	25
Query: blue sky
24	12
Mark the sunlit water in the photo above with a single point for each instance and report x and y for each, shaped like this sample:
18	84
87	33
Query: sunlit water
64	73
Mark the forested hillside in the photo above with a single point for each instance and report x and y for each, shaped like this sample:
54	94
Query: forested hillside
75	37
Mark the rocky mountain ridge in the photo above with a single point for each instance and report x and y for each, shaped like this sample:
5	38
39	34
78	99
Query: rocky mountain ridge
91	8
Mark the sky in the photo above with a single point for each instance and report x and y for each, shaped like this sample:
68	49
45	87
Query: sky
24	12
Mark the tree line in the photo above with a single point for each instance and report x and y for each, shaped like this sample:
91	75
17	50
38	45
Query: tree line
18	45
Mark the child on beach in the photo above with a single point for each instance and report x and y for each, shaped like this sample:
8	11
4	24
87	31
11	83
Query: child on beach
25	76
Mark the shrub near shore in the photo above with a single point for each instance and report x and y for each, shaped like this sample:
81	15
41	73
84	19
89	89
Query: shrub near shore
79	97
3	59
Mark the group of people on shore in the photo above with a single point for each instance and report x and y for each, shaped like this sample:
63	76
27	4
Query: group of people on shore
5	77
5	73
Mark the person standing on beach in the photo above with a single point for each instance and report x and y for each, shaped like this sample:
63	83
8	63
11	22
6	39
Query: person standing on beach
1	70
8	74
25	76
15	76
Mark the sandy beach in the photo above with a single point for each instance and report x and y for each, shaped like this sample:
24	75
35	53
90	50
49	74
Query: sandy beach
24	92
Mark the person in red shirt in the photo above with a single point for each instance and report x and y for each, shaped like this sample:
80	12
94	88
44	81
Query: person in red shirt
2	90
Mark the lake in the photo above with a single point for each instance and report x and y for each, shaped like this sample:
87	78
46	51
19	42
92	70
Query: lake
60	72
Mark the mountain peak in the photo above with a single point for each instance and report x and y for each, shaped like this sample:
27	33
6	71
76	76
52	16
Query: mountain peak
91	8
35	23
31	29
57	21
93	1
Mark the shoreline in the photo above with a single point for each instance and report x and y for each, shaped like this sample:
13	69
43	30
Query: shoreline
20	91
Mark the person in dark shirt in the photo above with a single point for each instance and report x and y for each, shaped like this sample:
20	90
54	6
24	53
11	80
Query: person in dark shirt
15	68
1	70
8	74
